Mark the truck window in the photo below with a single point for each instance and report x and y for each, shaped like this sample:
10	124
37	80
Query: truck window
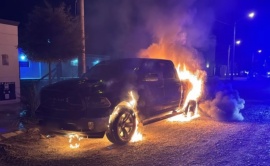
168	71
152	67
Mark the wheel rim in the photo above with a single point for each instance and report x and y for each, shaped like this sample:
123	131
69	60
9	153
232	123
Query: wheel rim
126	126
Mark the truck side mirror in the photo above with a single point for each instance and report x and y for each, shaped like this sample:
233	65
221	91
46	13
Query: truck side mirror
151	77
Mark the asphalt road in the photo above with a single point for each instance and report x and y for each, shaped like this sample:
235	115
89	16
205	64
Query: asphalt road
202	141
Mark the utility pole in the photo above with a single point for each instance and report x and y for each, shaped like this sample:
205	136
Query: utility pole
81	58
228	61
233	55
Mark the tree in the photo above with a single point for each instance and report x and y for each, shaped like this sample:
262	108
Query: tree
52	34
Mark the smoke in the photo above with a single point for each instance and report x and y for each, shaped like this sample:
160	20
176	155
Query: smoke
179	30
170	29
226	105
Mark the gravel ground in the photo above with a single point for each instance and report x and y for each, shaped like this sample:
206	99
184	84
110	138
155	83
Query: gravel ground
202	141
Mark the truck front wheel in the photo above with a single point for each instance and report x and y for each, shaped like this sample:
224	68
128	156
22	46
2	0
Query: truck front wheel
122	128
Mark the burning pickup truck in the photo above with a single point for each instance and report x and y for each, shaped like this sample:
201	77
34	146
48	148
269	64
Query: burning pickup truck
113	97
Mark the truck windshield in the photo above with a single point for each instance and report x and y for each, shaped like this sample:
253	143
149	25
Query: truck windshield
111	70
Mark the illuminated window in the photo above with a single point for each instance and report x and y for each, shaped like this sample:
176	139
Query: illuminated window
74	62
5	60
24	63
95	62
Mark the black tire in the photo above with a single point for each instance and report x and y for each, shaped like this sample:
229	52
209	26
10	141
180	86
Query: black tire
190	108
122	128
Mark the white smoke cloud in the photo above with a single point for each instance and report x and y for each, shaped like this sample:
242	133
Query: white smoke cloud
226	105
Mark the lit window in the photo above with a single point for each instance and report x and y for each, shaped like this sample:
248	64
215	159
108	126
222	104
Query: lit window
74	62
24	63
95	62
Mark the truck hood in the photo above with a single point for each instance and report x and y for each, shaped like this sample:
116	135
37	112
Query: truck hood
77	85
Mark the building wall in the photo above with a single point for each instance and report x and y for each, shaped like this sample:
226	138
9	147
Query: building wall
67	69
9	66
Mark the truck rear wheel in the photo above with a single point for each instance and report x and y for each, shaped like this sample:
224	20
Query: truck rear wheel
122	128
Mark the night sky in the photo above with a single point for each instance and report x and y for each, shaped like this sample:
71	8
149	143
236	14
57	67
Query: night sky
115	26
254	33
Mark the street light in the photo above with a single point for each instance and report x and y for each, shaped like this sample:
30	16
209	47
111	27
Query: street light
238	42
253	58
250	15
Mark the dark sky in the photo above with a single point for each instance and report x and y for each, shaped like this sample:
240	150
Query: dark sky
107	23
254	33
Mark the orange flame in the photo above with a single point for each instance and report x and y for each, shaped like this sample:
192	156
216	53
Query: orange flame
77	139
131	103
195	80
137	136
194	93
165	48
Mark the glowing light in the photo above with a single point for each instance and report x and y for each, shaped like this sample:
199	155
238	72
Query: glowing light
183	118
197	83
132	104
194	92
259	51
23	57
74	62
238	42
133	101
96	62
137	136
72	138
251	14
207	65
167	47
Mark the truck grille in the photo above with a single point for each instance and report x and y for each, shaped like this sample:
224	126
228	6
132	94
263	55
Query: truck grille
59	100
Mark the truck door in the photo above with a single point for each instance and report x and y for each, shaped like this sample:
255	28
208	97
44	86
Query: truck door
172	85
152	93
